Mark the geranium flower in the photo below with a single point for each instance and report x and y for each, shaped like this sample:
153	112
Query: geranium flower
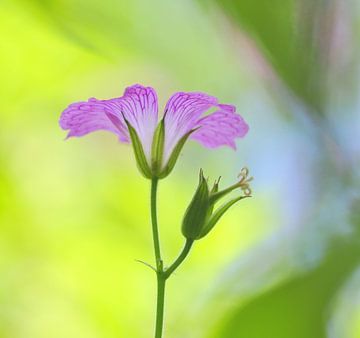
134	118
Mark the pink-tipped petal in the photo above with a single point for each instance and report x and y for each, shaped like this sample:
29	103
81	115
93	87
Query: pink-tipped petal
182	113
82	118
138	105
219	129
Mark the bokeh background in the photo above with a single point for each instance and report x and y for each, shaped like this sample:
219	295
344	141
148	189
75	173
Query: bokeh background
74	215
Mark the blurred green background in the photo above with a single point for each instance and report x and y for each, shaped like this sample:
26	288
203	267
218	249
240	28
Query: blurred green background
74	215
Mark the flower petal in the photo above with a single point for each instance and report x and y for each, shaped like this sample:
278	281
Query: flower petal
220	128
182	113
138	105
82	118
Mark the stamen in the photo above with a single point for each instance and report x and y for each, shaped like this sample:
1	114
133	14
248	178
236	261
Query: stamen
244	172
244	181
247	191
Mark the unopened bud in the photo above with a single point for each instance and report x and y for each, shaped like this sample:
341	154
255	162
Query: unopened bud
200	216
196	213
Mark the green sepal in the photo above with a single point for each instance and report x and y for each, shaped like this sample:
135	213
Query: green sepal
217	215
214	190
174	155
197	211
157	148
215	187
217	195
140	157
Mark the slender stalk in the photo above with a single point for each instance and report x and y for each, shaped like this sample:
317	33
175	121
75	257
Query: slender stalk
155	231
185	251
162	275
161	281
159	263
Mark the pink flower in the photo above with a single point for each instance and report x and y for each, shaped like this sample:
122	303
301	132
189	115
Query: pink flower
134	118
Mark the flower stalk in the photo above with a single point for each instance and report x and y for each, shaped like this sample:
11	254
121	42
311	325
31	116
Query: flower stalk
161	281
154	223
162	274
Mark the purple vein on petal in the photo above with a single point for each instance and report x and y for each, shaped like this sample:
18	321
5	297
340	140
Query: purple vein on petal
184	112
138	104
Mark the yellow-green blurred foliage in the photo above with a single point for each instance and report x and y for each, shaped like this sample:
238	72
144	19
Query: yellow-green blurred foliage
74	214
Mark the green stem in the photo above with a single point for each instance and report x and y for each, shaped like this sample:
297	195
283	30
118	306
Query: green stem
162	275
159	263
185	251
161	281
155	231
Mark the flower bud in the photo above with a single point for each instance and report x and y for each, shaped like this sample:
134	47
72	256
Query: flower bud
200	216
197	211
